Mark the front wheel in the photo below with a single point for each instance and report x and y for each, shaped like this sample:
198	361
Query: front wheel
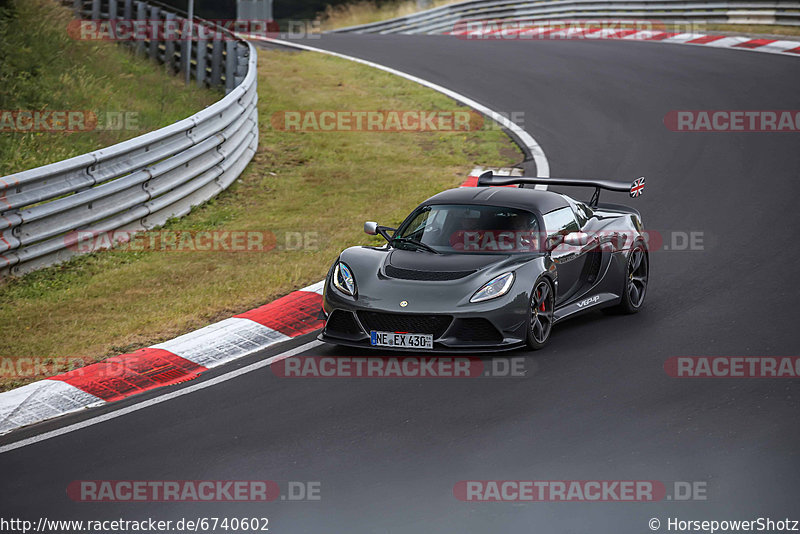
541	312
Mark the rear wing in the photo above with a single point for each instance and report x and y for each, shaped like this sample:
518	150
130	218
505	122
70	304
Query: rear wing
634	189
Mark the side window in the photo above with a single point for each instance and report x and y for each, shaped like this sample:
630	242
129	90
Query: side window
417	225
560	221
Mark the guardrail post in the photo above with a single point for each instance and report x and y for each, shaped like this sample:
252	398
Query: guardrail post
77	7
141	14
230	65
127	12
95	9
170	34
112	10
155	38
202	52
216	60
186	46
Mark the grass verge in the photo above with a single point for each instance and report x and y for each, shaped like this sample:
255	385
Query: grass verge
366	11
42	68
765	29
328	183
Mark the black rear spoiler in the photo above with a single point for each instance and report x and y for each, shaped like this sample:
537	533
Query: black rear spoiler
634	188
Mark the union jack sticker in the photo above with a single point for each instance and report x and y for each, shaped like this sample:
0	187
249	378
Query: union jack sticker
637	187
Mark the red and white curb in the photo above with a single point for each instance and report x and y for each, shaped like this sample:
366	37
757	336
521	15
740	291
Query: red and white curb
773	46
188	356
184	358
472	179
178	360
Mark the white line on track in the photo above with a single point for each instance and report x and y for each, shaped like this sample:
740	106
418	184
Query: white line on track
542	171
539	158
162	398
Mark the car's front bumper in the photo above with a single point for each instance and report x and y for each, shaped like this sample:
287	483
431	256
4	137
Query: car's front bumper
437	347
500	325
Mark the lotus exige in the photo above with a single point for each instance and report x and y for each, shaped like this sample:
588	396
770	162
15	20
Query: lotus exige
488	268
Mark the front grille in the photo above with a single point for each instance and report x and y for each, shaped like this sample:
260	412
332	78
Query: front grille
342	324
476	330
437	276
401	322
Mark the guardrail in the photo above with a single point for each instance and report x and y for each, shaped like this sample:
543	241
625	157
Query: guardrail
140	183
443	19
213	60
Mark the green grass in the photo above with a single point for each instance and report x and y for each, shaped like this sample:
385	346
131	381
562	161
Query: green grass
366	11
330	183
789	31
42	68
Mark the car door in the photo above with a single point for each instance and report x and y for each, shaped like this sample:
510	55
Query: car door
569	260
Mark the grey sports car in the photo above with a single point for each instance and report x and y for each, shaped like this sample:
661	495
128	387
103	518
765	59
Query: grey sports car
489	268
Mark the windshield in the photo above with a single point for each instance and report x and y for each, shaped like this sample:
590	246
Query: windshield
470	229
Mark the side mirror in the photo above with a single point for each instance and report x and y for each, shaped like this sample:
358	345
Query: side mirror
373	228
577	239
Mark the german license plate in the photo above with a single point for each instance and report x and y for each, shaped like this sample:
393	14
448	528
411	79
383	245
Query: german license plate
401	340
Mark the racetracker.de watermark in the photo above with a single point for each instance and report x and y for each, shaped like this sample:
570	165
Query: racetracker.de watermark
192	490
399	367
31	366
733	366
85	241
377	121
67	121
721	120
578	491
125	240
529	241
575	29
122	30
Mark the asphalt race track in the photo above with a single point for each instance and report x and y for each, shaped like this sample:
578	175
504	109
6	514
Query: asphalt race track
595	405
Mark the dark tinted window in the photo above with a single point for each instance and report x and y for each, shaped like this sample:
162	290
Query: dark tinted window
472	228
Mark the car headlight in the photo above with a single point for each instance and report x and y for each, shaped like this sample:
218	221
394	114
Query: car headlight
494	288
343	279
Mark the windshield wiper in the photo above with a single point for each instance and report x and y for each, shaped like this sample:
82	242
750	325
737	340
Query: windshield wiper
415	243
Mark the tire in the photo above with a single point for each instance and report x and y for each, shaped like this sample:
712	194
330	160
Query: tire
540	314
637	274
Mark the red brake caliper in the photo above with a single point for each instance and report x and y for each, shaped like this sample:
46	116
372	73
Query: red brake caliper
539	294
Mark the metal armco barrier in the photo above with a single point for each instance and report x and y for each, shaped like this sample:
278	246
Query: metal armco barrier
443	19
214	62
140	183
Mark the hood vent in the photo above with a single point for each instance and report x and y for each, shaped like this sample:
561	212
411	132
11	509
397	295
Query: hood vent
431	276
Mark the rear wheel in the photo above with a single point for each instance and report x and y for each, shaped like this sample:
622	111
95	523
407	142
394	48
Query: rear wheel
636	277
541	312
